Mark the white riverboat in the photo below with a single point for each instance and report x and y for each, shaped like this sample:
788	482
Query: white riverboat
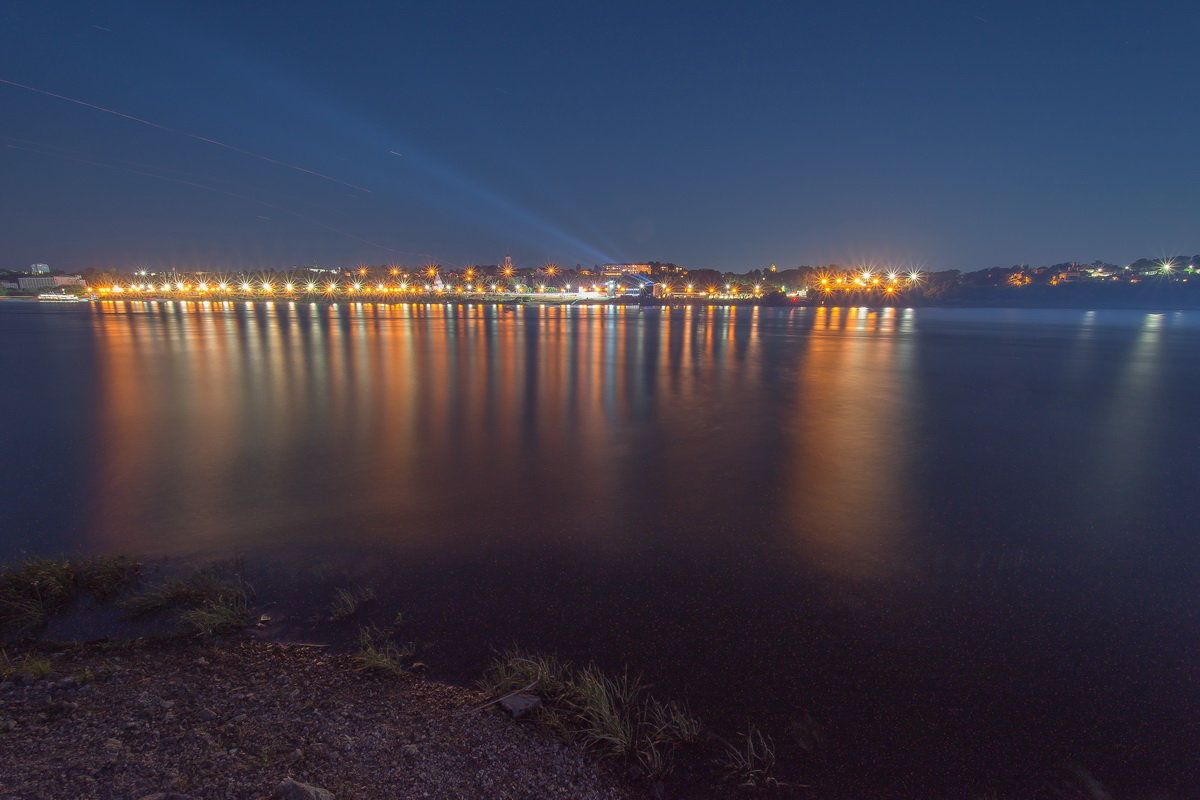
62	297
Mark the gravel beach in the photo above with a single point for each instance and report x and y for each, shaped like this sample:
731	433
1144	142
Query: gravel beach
235	719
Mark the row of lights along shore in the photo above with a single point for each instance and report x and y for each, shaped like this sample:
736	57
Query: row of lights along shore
864	281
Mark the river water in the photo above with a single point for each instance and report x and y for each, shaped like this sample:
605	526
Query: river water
963	542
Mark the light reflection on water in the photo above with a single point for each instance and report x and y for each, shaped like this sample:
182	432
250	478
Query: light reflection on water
850	431
406	427
832	495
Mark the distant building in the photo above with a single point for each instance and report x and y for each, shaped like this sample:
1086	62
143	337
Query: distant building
39	269
613	270
27	283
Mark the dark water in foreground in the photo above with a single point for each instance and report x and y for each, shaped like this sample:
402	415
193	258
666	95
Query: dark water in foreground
963	541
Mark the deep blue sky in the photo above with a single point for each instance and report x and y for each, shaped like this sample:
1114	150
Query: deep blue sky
734	135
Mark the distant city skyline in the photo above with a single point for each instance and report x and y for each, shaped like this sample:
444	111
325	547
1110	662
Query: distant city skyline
941	136
1167	262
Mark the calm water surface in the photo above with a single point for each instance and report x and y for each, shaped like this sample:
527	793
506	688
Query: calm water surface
963	541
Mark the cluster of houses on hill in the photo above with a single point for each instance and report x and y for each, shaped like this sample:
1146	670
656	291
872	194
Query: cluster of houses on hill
1179	269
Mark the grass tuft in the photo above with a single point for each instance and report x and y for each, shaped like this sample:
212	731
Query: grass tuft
608	709
33	591
378	653
673	722
182	593
37	589
348	602
517	671
229	611
105	578
612	716
21	614
750	762
26	666
206	603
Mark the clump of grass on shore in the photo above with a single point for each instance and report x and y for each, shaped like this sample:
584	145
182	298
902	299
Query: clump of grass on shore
26	666
105	578
179	593
35	590
673	722
517	671
750	762
612	716
206	603
378	653
348	602
227	612
607	710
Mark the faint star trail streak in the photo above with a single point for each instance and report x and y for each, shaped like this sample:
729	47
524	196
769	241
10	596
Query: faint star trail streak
197	137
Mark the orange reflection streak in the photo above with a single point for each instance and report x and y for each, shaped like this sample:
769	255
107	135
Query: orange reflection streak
123	440
229	425
849	436
205	421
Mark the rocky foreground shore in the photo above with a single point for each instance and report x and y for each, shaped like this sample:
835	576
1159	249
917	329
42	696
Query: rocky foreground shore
250	719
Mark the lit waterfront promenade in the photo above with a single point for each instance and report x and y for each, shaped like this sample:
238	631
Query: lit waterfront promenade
501	290
334	292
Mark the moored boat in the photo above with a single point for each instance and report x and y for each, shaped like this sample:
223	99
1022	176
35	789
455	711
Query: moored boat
62	297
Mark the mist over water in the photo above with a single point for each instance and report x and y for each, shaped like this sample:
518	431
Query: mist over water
931	530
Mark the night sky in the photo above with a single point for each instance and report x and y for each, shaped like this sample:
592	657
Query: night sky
728	135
